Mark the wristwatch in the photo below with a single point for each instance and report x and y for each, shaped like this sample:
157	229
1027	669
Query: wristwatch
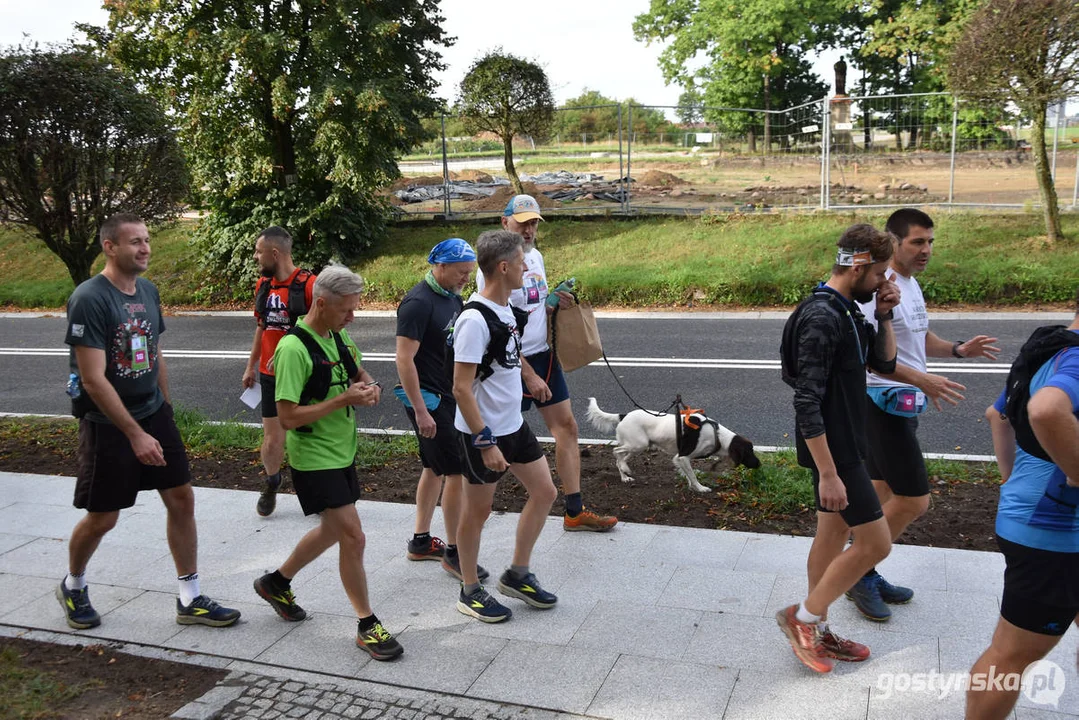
881	317
955	348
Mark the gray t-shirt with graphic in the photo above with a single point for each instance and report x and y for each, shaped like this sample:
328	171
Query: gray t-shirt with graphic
127	328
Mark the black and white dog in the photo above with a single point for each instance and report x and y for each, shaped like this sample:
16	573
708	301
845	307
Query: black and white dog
639	430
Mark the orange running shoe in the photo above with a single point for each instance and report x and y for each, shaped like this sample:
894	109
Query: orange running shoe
839	648
588	521
805	640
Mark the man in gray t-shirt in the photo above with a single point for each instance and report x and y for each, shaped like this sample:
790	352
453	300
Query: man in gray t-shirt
128	440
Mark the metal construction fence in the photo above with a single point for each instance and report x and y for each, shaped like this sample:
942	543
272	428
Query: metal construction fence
839	152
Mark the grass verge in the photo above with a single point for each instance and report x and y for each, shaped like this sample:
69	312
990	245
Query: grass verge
30	694
713	260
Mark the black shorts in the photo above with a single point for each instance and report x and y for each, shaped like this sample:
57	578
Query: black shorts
442	453
518	448
547	367
1041	588
319	490
110	476
894	453
863	505
269	388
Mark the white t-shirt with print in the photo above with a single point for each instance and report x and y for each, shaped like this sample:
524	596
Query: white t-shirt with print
532	296
499	396
910	325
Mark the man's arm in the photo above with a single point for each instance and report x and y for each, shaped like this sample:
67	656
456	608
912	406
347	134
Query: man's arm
464	374
405	359
1003	441
251	370
980	346
1052	418
293	415
91	364
935	387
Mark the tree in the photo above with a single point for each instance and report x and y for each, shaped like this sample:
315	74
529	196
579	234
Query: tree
1026	53
756	49
689	106
507	96
78	143
294	111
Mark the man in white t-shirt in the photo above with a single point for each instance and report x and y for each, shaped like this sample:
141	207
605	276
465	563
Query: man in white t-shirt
544	383
492	432
895	459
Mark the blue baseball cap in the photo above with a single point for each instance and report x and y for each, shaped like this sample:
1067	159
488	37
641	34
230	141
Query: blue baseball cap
523	208
453	250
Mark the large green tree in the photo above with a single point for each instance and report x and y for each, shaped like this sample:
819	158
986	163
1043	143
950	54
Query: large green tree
508	96
1026	53
78	143
293	111
755	51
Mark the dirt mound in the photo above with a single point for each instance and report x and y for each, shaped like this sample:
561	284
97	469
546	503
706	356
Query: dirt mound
404	182
660	178
498	201
473	176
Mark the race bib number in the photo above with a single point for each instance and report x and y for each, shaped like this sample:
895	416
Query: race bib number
140	359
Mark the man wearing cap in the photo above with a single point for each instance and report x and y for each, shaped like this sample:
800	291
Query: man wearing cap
542	376
424	318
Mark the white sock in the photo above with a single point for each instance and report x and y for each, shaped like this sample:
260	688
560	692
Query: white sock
189	588
823	625
75	582
805	616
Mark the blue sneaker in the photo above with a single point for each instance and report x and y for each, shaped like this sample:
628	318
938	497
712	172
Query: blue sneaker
893	594
866	597
527	589
482	606
204	611
78	611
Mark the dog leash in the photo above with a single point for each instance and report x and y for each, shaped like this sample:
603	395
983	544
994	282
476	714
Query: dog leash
676	403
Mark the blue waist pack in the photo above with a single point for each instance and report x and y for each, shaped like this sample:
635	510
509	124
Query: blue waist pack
430	400
901	401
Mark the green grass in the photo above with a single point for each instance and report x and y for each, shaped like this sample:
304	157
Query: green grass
720	260
29	694
762	260
32	277
780	486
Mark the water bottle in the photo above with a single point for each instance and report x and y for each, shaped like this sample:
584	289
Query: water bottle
73	389
564	286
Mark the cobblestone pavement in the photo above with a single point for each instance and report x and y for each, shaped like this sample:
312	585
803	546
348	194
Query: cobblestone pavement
243	695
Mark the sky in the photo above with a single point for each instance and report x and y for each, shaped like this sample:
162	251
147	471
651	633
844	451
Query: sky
582	44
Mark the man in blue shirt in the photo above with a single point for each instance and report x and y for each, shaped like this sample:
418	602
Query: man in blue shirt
1037	530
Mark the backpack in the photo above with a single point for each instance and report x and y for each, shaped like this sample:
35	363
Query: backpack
788	358
297	297
496	347
318	385
1039	349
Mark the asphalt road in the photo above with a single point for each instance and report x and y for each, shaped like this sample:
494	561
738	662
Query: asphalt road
728	366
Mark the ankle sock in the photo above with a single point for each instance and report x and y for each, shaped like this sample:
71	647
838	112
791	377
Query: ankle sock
418	538
805	616
189	588
366	623
518	571
274	481
574	504
280	580
451	551
470	588
75	582
871	572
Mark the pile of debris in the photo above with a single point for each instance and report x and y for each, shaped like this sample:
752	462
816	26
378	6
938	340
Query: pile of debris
482	190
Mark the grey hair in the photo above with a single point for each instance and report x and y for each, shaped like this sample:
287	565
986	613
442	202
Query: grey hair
495	246
337	280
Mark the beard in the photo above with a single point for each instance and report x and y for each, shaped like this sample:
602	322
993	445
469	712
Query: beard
863	296
267	272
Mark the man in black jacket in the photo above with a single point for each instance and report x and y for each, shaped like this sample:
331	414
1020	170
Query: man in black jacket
827	346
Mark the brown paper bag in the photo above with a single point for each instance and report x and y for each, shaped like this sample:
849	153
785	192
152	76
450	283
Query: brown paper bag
575	337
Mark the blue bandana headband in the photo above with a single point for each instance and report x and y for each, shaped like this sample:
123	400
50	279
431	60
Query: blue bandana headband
454	250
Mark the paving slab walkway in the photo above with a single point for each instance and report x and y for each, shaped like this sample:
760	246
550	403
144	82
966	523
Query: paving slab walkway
652	621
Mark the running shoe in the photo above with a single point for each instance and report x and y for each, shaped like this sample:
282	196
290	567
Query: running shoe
839	648
805	640
377	642
452	565
78	611
431	549
588	521
204	611
482	606
281	599
527	589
